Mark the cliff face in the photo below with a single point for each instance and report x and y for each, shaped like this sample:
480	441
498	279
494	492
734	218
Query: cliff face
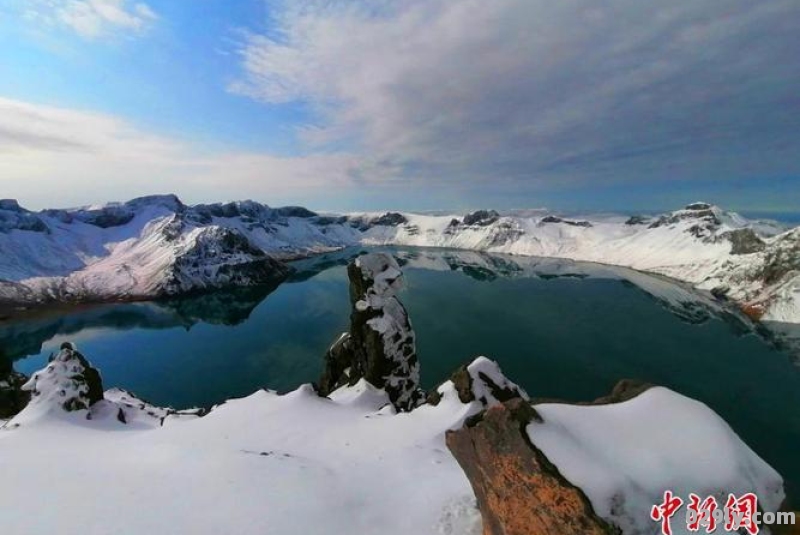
380	345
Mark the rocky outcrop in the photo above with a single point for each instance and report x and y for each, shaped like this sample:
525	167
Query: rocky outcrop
481	380
12	398
554	219
295	211
68	382
391	219
519	492
518	489
380	345
481	218
14	217
705	217
565	468
220	257
116	214
637	220
365	222
744	241
781	258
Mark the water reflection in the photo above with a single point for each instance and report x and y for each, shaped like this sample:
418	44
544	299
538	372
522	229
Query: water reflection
25	335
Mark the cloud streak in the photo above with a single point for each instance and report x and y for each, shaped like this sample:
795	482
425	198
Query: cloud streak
537	92
92	19
51	155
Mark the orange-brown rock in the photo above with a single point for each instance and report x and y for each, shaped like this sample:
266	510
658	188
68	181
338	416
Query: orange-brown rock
755	311
519	491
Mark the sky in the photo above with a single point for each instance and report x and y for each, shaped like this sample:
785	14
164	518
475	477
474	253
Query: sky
403	104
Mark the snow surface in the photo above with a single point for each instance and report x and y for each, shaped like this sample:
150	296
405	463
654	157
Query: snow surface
624	455
300	464
265	464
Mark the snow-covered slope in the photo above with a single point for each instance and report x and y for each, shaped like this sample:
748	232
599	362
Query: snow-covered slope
303	464
624	455
157	246
150	247
703	245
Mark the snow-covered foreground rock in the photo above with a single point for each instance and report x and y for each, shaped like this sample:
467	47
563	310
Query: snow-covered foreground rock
292	464
157	246
300	463
624	455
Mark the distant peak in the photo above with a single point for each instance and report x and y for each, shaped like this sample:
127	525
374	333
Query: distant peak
698	206
11	205
169	200
481	217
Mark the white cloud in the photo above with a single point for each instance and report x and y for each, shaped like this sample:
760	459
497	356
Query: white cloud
91	19
538	89
55	156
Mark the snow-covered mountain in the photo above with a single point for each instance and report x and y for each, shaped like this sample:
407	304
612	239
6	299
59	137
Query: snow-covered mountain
157	246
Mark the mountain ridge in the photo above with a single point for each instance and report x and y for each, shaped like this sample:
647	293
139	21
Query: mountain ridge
157	246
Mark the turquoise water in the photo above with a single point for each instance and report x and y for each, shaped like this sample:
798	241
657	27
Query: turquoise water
559	329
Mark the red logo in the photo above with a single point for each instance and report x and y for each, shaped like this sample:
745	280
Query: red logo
706	514
666	511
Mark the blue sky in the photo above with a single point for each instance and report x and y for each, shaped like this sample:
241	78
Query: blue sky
409	104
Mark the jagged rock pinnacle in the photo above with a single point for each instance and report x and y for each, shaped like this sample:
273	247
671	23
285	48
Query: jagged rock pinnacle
380	346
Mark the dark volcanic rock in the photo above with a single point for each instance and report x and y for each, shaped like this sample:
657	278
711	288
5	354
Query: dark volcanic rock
555	219
107	216
11	205
481	218
380	346
294	211
391	219
330	220
338	360
637	220
170	201
624	390
220	258
744	241
251	213
519	491
781	258
14	217
704	217
481	380
12	398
